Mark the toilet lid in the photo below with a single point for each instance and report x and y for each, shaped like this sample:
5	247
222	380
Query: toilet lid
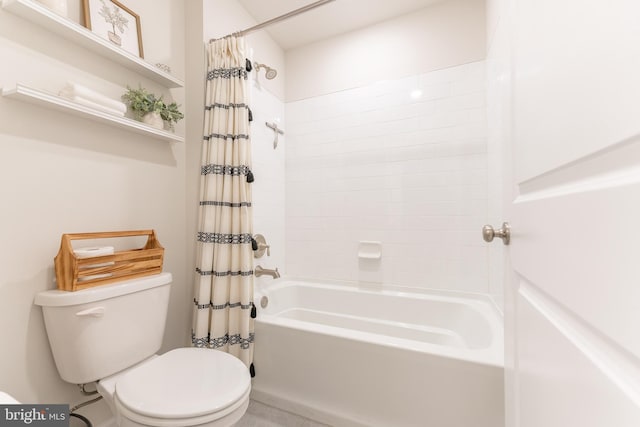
183	383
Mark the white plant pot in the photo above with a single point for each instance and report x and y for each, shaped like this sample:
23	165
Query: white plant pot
153	120
115	39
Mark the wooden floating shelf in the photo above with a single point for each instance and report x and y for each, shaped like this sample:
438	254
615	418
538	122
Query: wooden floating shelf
48	100
41	15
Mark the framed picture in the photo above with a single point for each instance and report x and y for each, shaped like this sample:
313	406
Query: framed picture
115	22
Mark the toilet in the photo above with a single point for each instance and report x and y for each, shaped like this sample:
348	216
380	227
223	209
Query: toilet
110	334
7	399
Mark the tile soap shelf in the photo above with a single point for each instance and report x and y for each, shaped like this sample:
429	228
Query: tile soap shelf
41	15
369	249
49	100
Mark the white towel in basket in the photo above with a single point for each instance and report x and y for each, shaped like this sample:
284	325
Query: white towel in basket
92	252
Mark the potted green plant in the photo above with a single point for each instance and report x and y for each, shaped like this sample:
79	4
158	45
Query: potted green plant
171	114
151	109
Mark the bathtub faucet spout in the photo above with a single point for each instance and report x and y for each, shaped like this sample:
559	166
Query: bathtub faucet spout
259	271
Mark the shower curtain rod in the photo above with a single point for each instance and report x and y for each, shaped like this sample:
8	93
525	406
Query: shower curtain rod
288	15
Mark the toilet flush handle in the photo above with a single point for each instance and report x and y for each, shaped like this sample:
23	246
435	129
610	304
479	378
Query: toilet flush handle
92	312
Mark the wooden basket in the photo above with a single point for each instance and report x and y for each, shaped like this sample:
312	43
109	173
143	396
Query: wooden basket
124	265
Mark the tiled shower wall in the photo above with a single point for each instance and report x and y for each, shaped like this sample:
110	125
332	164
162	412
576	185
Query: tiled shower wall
403	162
268	189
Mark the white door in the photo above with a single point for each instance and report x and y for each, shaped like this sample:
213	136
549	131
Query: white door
573	315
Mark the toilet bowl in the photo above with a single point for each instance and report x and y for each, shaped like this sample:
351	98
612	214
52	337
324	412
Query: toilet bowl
7	399
110	334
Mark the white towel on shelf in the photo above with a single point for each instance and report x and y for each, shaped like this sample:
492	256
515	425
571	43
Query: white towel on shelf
74	89
92	252
88	103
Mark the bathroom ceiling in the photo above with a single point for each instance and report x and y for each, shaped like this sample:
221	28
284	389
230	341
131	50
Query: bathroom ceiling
331	19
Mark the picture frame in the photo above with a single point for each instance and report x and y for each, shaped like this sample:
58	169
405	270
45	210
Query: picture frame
115	22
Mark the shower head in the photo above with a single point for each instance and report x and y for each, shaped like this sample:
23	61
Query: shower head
270	73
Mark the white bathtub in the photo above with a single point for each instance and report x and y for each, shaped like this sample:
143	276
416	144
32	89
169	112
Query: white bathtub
350	356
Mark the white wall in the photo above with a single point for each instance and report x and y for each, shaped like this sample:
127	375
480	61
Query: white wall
365	161
375	164
439	36
269	170
63	174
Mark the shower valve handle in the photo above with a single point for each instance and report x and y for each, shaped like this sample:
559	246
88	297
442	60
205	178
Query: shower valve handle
277	131
267	247
260	246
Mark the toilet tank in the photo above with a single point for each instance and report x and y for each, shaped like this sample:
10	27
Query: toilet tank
99	331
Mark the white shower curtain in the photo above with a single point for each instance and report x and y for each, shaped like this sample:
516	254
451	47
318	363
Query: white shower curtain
224	274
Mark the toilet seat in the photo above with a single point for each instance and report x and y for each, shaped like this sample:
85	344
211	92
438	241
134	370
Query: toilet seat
228	417
186	386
